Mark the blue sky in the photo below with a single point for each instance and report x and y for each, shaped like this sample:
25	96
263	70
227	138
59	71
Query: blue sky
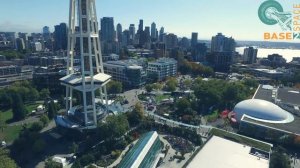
236	18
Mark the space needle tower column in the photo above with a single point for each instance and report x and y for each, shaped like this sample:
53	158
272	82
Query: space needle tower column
89	76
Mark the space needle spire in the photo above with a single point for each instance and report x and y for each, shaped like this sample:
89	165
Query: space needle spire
87	78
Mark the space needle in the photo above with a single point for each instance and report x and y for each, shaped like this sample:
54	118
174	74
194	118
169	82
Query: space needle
87	78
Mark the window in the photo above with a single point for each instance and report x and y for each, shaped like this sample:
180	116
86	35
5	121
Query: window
84	25
83	7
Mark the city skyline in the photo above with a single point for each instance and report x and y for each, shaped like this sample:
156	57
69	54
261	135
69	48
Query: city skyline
196	16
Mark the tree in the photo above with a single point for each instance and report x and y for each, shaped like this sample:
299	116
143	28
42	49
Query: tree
2	122
5	100
19	111
34	94
37	126
208	93
87	159
52	111
187	83
149	88
183	104
114	87
38	146
251	82
5	160
51	164
74	148
137	115
184	107
115	127
171	84
45	120
44	93
279	159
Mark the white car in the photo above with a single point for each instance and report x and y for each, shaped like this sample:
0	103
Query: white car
3	143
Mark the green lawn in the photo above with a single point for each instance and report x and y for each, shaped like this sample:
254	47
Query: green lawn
10	133
213	116
31	107
6	115
160	97
241	139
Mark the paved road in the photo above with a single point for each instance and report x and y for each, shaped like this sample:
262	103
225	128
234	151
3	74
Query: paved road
28	120
201	129
132	97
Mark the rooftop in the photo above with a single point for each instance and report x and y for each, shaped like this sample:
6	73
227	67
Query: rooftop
283	95
224	153
292	127
262	110
270	71
143	153
129	62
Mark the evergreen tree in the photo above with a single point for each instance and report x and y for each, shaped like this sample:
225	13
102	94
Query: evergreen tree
51	110
19	111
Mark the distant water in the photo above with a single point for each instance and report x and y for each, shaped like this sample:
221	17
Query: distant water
288	54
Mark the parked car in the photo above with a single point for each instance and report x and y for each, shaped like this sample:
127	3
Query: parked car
3	143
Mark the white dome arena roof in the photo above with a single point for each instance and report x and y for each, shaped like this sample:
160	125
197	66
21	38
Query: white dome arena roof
262	110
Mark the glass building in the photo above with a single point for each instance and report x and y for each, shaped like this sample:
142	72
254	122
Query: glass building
144	154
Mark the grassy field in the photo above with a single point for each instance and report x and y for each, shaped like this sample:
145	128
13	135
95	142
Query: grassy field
10	133
6	115
241	139
159	98
213	116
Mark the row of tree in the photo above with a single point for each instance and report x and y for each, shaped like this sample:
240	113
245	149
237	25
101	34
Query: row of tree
5	160
186	67
211	95
30	143
112	135
26	91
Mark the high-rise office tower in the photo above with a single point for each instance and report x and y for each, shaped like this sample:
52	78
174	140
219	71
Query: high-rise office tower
194	39
250	55
161	34
141	34
141	25
126	38
24	36
60	37
119	32
20	44
199	52
220	43
223	51
107	29
185	43
171	41
131	34
90	76
147	34
153	31
46	30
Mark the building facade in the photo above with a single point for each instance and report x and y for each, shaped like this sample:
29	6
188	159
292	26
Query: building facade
250	55
130	72
162	68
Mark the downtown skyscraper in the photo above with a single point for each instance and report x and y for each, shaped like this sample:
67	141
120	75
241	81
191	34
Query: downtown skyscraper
108	29
60	37
153	31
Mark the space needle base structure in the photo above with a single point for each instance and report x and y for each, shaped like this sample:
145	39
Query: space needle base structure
87	79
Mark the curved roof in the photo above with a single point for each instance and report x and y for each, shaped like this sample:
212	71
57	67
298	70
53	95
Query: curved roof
262	110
